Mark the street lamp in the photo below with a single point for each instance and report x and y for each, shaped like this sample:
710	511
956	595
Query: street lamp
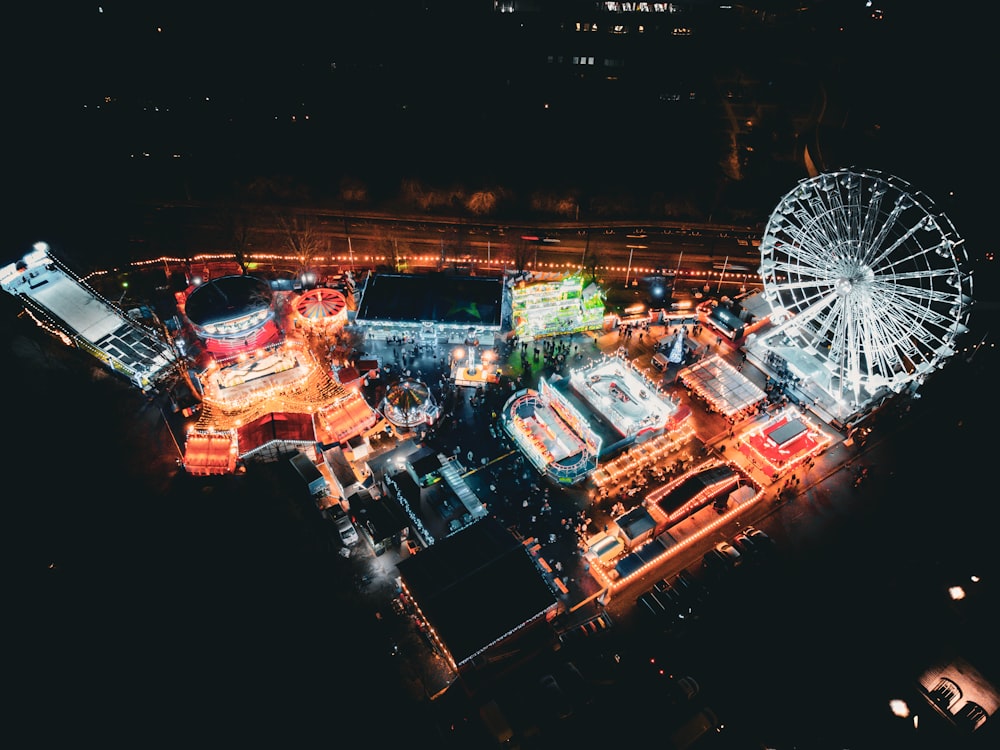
350	248
725	263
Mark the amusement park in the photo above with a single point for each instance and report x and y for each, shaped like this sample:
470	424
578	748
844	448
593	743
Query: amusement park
513	455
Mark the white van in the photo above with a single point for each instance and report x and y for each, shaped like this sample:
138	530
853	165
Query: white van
348	534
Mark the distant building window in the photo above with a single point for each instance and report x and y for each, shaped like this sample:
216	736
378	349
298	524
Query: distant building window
640	7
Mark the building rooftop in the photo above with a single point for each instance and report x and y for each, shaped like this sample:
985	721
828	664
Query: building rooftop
476	587
441	298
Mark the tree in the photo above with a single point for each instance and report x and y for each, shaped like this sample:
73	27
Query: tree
300	237
387	245
353	190
482	203
591	258
522	252
241	230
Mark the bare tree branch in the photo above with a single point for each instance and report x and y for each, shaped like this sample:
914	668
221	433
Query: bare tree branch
300	237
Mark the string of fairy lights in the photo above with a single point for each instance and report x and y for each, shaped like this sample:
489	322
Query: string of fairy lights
494	262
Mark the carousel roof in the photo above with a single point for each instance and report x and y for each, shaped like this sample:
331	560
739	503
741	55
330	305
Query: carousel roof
227	298
320	304
408	396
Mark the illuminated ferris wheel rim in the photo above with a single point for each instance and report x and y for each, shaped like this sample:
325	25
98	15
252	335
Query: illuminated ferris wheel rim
867	274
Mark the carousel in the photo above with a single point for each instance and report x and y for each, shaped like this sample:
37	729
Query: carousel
321	306
409	403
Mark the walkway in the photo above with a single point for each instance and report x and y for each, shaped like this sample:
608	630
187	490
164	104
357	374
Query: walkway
449	472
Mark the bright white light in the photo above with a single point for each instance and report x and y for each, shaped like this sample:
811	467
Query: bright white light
899	708
956	593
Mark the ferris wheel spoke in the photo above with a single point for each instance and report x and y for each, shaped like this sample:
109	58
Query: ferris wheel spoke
918	300
875	248
933	295
875	230
804	318
910	305
919	260
820	287
887	338
895	246
803	248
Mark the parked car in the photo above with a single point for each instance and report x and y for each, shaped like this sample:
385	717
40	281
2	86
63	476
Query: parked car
722	558
761	541
348	534
744	544
684	689
729	554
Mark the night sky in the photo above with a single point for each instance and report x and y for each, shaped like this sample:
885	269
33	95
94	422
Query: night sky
224	96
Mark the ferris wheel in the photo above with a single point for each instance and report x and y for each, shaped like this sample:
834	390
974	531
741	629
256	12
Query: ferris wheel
867	278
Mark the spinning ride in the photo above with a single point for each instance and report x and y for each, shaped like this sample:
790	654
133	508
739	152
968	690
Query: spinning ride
409	403
322	305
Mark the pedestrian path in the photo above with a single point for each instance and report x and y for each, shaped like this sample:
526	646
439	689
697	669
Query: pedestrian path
449	472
